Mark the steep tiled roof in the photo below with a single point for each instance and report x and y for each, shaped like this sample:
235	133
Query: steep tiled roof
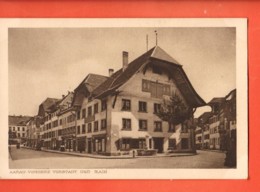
156	53
204	117
92	81
48	103
159	53
231	94
217	100
120	77
88	85
18	120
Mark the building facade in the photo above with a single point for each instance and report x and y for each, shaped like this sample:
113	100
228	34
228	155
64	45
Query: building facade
114	114
17	128
120	114
220	123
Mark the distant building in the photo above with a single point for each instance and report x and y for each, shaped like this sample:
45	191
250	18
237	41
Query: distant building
202	133
220	123
17	128
33	131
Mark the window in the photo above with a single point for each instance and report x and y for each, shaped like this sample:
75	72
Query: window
172	144
184	143
125	144
96	108
157	126
127	124
89	111
157	108
78	129
18	128
23	129
171	127
83	128
19	135
60	121
83	113
89	128
95	126
103	124
55	123
156	90
103	105
23	134
166	90
78	115
145	85
142	106
142	125
13	128
126	105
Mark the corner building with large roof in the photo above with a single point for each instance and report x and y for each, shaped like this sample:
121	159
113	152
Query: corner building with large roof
118	113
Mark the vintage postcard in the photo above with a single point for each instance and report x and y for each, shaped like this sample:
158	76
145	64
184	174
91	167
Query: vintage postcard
123	99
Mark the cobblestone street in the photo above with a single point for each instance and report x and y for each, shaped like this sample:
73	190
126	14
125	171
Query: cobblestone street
31	159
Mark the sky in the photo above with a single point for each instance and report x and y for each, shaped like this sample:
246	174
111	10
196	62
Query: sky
49	62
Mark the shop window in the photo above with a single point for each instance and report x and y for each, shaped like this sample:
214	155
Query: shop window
172	144
125	145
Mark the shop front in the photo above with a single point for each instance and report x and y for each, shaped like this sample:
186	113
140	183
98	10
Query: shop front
81	144
99	143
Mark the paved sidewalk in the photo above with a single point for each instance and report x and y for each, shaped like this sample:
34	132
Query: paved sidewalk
115	157
212	150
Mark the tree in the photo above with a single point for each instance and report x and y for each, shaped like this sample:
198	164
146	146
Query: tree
175	111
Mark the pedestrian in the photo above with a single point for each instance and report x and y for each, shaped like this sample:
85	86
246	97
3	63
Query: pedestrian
133	153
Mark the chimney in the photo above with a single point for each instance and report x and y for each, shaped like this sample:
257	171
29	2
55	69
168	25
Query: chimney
110	72
125	60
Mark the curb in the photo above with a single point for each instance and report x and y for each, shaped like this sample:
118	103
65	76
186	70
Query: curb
115	157
216	151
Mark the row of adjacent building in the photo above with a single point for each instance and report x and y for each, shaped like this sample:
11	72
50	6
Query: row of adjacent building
117	113
217	129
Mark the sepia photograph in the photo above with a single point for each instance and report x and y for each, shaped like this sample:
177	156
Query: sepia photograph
103	97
